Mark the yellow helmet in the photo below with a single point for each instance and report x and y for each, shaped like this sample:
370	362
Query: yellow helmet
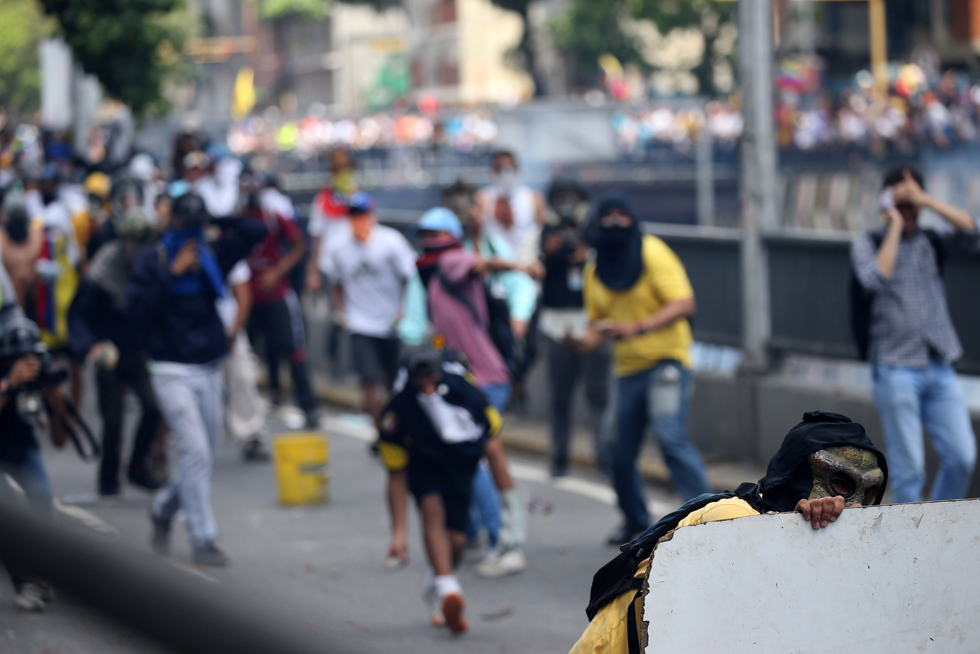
98	184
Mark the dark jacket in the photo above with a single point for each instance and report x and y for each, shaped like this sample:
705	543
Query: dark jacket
93	318
182	328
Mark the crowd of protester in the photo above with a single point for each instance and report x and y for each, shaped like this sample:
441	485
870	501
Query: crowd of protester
163	281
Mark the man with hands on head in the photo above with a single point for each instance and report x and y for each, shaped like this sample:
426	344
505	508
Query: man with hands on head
911	341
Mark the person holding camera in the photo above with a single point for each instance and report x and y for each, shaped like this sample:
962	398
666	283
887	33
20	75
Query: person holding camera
27	387
564	253
911	341
172	293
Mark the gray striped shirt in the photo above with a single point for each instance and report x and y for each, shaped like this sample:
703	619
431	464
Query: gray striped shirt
910	321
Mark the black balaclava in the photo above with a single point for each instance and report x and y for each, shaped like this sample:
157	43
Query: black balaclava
789	478
619	250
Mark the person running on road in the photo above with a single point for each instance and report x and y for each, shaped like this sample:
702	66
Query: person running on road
434	432
369	267
172	292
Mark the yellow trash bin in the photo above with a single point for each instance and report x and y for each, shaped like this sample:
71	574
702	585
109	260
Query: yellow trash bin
301	467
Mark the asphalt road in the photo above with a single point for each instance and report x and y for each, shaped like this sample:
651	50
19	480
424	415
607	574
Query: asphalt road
322	565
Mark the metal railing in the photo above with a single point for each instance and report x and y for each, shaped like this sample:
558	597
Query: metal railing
809	279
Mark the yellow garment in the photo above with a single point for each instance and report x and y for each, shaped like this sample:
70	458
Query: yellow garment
663	281
82	223
607	634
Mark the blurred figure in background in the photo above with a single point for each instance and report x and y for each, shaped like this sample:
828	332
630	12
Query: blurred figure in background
58	267
511	211
276	317
368	267
215	179
172	294
245	408
328	223
564	253
127	194
457	301
20	244
911	340
103	332
22	400
637	293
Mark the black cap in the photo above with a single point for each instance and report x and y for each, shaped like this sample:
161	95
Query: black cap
189	208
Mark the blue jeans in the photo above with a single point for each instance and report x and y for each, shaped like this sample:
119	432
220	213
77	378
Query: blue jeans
910	398
660	396
485	504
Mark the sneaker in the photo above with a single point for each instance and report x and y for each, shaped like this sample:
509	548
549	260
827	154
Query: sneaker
452	610
625	533
210	555
501	564
255	451
29	598
431	599
160	540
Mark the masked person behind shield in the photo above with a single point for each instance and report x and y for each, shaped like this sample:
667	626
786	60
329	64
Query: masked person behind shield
103	332
564	253
172	293
826	464
638	294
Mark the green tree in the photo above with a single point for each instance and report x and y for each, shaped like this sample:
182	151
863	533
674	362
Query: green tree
590	29
22	27
131	46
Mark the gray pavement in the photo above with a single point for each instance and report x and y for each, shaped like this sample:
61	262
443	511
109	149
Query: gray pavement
322	565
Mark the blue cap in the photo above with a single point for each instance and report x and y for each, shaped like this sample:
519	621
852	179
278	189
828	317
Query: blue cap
440	219
360	203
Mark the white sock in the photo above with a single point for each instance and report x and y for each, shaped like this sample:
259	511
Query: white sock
447	584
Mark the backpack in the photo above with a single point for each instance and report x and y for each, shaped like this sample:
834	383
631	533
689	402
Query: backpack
498	325
861	299
617	576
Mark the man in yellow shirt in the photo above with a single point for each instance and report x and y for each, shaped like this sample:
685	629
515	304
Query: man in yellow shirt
826	463
637	293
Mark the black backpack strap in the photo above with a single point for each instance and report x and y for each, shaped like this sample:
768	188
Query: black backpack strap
938	249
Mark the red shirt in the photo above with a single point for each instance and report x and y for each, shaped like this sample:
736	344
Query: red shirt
283	234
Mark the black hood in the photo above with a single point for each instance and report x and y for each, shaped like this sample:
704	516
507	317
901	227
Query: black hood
619	250
789	478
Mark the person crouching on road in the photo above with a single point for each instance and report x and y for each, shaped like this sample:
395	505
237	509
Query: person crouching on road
433	434
172	292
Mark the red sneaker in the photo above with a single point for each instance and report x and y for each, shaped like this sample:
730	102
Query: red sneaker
452	609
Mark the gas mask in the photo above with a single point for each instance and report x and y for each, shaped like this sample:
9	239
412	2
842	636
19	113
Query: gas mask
846	471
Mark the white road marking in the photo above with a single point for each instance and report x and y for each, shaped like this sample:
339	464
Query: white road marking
194	571
87	518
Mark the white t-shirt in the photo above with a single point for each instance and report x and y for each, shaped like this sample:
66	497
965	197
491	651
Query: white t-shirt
227	306
220	190
523	235
373	276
